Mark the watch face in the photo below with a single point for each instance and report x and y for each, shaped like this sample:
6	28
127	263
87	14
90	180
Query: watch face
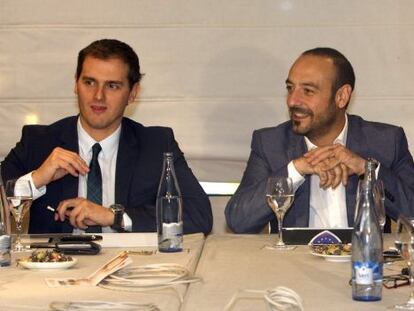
117	208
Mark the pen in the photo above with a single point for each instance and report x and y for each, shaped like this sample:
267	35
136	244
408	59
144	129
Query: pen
55	211
51	209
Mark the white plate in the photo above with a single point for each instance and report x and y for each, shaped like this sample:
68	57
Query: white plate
335	258
48	265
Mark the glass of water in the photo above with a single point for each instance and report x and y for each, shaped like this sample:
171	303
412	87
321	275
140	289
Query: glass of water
279	197
19	198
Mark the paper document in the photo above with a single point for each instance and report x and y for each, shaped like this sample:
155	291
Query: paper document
115	264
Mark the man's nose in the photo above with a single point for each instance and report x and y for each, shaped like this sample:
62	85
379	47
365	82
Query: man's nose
99	93
292	98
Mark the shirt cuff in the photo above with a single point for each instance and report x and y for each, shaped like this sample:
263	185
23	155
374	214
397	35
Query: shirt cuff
127	222
297	178
37	193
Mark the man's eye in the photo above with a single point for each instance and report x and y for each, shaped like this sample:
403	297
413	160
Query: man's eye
289	88
114	86
308	91
88	82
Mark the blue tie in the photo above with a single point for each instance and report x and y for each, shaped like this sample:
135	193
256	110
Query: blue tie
94	183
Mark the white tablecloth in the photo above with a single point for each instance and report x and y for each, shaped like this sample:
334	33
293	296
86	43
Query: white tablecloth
22	289
233	262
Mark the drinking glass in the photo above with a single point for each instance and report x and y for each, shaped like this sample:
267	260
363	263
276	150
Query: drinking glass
404	242
379	196
19	198
279	196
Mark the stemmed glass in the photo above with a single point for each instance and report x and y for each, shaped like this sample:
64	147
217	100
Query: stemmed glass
19	198
404	242
279	196
379	196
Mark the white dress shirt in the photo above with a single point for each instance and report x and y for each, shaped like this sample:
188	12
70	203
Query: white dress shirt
107	162
327	207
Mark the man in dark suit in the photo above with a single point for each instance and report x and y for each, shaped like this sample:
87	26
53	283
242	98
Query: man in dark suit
324	151
56	158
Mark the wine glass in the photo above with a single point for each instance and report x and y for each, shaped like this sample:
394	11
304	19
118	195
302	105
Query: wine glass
404	242
19	198
379	196
279	196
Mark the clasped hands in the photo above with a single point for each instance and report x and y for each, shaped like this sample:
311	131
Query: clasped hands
333	164
80	212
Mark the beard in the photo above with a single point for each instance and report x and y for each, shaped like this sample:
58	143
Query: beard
313	126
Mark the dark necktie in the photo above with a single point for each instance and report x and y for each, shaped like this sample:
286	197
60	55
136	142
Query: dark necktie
94	183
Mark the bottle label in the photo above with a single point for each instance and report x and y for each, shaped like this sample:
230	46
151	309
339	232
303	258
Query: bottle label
172	235
172	229
366	273
5	243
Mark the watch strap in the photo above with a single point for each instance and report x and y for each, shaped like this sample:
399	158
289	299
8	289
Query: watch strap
118	211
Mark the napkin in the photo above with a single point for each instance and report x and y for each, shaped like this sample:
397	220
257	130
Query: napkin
113	265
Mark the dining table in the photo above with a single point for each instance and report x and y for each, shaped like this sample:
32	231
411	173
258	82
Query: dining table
232	263
221	267
26	289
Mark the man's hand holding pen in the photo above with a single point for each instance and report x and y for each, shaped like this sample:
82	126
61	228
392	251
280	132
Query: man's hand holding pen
82	213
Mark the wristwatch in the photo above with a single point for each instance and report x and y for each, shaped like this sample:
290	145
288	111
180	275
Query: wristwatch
118	211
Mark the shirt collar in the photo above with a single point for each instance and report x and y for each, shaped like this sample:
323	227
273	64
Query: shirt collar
340	139
108	144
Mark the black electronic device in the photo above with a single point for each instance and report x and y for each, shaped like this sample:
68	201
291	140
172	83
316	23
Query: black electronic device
302	236
78	248
78	238
71	247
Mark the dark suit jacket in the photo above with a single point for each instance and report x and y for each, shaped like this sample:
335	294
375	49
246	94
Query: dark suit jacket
138	172
273	148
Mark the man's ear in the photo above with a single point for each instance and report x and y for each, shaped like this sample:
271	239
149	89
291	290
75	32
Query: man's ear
343	95
134	92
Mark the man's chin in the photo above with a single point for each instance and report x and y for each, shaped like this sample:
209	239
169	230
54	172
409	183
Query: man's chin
98	124
299	129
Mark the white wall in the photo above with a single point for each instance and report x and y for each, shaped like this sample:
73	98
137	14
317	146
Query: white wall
215	70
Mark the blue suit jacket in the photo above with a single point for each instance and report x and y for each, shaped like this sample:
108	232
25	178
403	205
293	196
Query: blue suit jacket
138	171
273	148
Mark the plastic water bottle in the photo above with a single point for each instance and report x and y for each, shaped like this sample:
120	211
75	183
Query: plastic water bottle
169	209
367	243
5	239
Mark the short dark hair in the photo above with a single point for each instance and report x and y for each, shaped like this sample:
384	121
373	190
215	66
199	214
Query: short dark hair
111	48
344	71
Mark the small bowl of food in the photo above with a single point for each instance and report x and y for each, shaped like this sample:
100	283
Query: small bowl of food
332	252
47	259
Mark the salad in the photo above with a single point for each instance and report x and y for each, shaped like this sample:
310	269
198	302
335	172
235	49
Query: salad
48	256
332	249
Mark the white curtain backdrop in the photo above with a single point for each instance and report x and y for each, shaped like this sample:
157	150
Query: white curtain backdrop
215	70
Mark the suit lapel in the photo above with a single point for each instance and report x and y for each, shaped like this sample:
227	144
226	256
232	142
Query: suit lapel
357	143
69	141
296	149
128	153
